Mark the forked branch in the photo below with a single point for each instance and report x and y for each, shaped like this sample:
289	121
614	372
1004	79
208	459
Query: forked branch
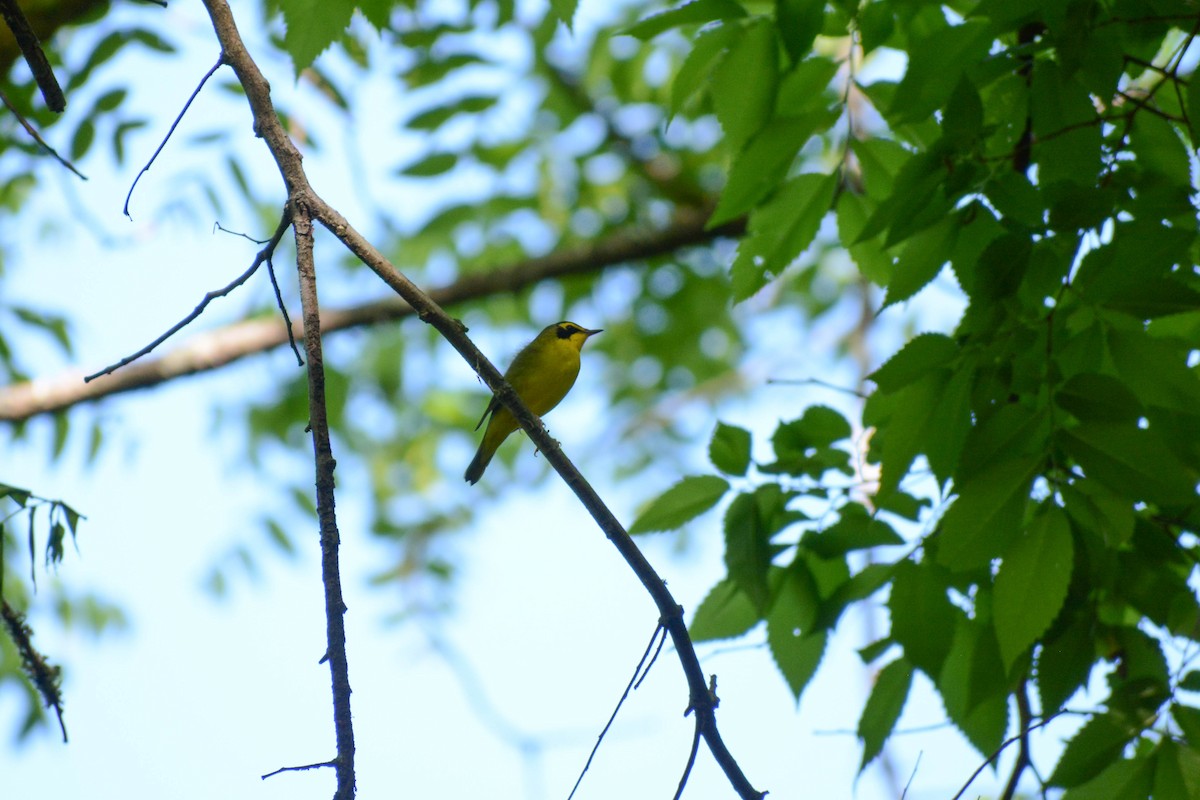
301	195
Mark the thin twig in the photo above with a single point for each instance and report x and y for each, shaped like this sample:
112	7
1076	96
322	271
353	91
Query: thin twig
1003	746
35	57
912	776
628	688
262	256
44	676
1024	718
691	762
37	137
318	421
300	768
287	320
175	124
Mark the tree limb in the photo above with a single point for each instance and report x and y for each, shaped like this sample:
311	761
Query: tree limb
266	124
218	348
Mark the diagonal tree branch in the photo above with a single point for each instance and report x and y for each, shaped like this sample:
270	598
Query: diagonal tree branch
217	348
701	700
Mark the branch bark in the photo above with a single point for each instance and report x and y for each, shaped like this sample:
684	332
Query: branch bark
215	349
701	700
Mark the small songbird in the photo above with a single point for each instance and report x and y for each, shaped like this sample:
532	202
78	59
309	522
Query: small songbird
541	374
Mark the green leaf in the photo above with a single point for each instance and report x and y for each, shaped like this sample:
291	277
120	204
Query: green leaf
85	134
1068	144
1032	583
1096	745
433	118
684	501
804	446
1095	396
1131	461
1193	107
313	25
1121	779
564	10
694	72
799	23
748	546
781	229
1064	664
922	355
695	12
729	449
935	67
802	88
744	83
987	515
725	612
922	617
430	166
974	687
797	650
762	166
1176	772
883	708
855	530
921	260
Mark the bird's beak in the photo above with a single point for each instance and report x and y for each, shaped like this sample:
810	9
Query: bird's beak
593	333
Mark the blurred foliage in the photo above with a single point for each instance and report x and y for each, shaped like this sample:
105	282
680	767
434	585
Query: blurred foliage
1025	504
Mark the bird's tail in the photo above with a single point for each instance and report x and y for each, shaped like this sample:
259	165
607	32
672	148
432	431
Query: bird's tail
483	457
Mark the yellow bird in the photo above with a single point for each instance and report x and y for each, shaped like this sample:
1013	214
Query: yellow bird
541	374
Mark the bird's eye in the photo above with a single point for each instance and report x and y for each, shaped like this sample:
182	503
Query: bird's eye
567	331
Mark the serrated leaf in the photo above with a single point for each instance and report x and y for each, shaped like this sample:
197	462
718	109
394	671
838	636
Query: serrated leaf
1032	583
744	83
921	260
748	548
796	648
883	708
729	449
695	12
1123	779
922	355
1096	745
922	617
936	64
987	515
684	501
1132	461
564	10
313	25
855	530
724	613
974	687
762	165
799	23
796	655
781	229
697	66
1095	396
1065	663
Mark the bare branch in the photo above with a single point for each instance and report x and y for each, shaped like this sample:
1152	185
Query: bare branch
218	348
301	768
263	255
318	421
634	682
174	125
37	137
305	200
35	57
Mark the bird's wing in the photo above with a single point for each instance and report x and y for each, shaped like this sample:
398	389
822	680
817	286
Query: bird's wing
492	406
